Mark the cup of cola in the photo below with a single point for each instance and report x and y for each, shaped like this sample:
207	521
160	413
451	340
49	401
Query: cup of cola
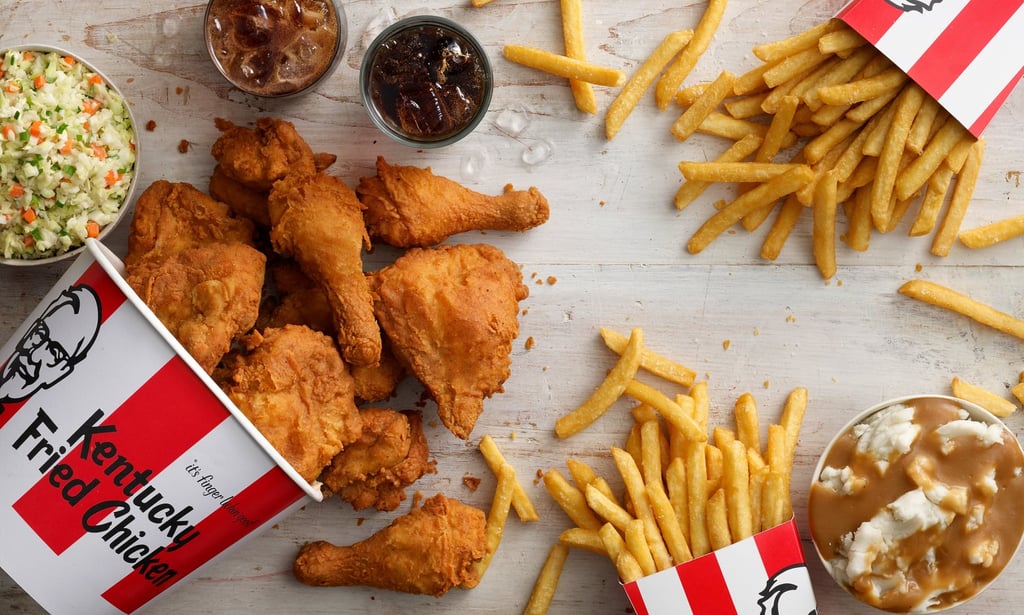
275	48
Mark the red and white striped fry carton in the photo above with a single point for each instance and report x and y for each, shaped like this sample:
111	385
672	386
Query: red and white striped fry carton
761	575
968	54
123	467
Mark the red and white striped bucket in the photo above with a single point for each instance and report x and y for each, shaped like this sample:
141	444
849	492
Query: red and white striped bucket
123	467
968	54
761	575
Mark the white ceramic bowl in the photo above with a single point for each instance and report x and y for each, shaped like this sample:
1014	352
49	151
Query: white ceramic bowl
976	413
124	205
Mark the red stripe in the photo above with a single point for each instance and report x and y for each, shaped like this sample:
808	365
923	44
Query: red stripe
261	501
107	291
870	18
636	598
779	547
979	125
961	41
705	587
7	411
167	415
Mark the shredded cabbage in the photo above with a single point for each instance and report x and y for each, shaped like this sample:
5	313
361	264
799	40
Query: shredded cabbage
67	154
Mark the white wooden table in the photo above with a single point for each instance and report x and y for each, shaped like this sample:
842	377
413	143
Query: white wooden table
612	255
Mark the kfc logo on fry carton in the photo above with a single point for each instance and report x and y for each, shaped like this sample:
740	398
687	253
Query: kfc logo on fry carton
123	468
968	54
761	575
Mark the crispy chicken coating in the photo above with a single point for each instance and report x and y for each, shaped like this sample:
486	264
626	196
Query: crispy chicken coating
428	551
408	206
391	454
317	220
294	387
257	157
451	313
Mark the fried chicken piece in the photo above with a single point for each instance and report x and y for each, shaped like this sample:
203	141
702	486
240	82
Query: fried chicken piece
391	454
298	300
317	220
242	200
206	296
378	382
428	551
408	206
294	387
173	217
257	157
450	313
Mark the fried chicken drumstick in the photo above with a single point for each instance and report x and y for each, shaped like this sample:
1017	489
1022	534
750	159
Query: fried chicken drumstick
408	206
451	313
428	551
317	220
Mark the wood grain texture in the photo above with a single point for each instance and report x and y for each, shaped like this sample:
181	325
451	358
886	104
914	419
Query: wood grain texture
611	255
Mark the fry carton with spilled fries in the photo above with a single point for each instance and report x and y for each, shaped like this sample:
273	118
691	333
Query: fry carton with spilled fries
705	518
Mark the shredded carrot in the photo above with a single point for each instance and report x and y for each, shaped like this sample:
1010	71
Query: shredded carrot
90	105
28	215
66	148
12	87
16	190
99	151
86	126
36	129
95	80
10	132
39	81
92	229
69	60
29	241
28	56
113	177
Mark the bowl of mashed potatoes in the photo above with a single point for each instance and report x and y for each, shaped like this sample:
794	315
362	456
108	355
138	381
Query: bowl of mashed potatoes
68	154
914	504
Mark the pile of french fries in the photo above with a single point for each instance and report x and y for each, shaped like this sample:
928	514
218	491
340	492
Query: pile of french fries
826	122
689	490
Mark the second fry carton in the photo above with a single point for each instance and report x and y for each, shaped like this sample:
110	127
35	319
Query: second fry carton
123	468
763	574
968	54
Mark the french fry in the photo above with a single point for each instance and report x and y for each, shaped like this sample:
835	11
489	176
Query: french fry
921	131
785	220
701	404
695	114
824	227
811	37
997	405
564	66
949	299
480	3
607	392
670	410
607	509
636	543
840	40
773	500
672	533
758	475
949	228
913	177
794	67
716	467
571	500
630	95
675	483
718	521
697	498
650	451
495	460
1018	390
613	542
907	105
634	483
991	234
496	518
649	360
547	581
738	151
750	172
863	89
736	485
761	196
934	199
579	538
572	32
747	429
780	462
777	130
677	72
629	569
793	417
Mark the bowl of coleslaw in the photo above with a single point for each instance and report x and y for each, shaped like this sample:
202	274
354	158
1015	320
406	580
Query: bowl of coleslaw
68	154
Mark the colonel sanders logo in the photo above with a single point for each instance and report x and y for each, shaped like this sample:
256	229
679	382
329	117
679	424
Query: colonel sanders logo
57	341
782	596
914	5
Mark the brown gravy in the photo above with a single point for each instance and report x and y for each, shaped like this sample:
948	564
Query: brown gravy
951	575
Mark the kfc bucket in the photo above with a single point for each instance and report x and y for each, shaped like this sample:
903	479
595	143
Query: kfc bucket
123	468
